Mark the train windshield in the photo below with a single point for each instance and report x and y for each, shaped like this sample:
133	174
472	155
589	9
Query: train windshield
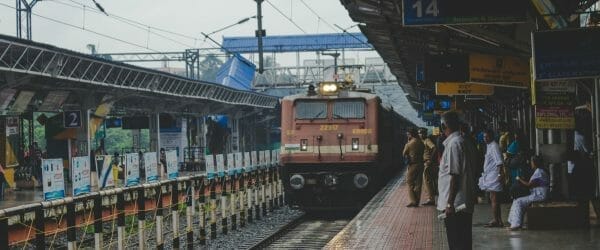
344	109
311	109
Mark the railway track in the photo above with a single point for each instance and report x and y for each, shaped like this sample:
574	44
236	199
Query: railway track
306	232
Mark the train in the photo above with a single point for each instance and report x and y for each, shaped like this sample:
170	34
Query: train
339	146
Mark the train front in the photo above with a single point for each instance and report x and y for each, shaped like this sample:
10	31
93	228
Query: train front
329	147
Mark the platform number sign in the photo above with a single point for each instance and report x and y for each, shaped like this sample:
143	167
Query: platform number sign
72	119
431	8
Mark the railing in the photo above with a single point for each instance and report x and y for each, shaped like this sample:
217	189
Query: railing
138	216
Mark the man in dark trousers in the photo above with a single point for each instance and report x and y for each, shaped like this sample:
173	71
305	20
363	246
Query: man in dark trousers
456	185
413	151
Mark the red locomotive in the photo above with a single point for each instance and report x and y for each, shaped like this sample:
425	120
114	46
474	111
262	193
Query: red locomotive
339	146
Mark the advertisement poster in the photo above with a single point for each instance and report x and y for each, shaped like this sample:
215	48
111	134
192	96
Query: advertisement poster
151	166
132	169
238	162
172	171
230	164
274	158
554	117
220	164
254	162
210	166
81	175
53	179
247	164
105	174
263	158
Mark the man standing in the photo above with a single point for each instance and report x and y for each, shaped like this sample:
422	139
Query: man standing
491	179
455	185
413	151
430	171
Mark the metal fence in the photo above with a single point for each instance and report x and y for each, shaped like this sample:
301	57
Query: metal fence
171	213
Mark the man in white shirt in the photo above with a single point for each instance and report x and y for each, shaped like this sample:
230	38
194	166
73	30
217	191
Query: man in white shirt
491	178
456	185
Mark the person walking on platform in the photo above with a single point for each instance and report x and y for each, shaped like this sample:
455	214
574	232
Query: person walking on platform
456	185
491	179
430	171
413	152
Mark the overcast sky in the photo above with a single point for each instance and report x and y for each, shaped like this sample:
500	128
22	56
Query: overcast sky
188	17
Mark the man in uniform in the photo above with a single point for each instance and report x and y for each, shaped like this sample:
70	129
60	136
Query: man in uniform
430	172
413	151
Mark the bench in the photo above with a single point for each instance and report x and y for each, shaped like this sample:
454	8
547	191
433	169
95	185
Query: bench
557	215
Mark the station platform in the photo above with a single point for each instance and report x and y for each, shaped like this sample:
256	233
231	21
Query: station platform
386	223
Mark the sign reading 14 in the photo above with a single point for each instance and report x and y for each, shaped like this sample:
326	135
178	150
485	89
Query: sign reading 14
431	8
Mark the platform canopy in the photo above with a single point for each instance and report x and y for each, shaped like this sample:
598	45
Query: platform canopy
294	43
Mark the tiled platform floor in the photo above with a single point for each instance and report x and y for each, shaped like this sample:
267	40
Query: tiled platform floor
385	223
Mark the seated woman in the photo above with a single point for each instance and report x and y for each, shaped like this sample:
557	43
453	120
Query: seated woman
538	184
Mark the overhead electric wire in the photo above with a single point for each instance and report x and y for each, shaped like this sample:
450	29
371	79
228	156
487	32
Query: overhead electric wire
135	22
318	16
130	22
287	17
88	30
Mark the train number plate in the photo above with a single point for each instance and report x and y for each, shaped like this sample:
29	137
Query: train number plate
329	127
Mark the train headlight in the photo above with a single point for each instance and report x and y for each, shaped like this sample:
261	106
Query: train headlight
354	143
303	145
361	180
328	88
297	181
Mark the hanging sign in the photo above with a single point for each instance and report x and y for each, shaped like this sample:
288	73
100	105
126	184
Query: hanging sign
554	117
504	71
455	88
53	179
80	174
151	167
104	169
438	12
132	169
172	170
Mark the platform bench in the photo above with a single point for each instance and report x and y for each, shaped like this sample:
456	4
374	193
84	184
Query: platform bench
557	215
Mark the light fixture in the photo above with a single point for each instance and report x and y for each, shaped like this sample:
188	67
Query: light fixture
354	144
303	145
328	88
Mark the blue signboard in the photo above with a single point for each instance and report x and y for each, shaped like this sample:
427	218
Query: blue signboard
438	12
566	54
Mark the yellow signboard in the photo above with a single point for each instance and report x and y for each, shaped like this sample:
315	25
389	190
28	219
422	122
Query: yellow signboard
554	117
456	88
502	71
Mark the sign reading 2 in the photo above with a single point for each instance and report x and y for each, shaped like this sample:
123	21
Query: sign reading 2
72	119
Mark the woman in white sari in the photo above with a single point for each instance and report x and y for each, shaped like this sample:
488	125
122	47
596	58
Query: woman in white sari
538	185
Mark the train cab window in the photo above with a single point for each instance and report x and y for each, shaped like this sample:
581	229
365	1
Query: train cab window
311	110
344	109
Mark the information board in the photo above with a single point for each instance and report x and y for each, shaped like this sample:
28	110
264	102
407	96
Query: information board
80	175
172	170
505	71
104	170
53	179
455	88
437	12
566	54
554	117
151	167
132	169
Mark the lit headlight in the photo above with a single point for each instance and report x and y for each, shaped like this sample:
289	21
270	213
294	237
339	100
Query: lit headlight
361	180
354	143
303	145
297	181
328	88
